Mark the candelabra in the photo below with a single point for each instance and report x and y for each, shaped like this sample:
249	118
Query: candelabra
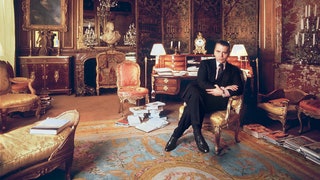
307	39
130	37
175	46
90	38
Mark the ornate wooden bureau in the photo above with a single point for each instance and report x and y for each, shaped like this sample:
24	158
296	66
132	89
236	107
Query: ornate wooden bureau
51	74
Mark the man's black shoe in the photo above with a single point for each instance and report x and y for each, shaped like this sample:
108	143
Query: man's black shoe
172	144
201	143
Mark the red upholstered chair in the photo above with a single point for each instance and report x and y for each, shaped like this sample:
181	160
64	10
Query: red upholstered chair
128	84
311	109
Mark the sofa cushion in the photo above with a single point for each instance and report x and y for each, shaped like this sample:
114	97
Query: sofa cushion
12	100
19	148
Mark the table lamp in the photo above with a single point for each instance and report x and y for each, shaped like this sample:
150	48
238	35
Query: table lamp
239	50
157	50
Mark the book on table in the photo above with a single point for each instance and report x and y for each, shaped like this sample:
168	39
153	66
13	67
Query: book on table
50	126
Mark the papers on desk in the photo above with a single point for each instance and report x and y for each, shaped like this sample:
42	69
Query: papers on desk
164	71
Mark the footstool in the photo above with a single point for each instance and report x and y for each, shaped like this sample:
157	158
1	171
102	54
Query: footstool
311	109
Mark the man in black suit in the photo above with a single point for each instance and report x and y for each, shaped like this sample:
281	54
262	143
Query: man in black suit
209	93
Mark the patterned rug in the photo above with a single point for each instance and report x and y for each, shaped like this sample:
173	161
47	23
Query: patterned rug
143	157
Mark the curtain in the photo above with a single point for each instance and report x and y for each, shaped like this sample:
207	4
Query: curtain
7	31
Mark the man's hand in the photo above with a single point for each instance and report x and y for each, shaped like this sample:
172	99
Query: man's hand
232	87
217	91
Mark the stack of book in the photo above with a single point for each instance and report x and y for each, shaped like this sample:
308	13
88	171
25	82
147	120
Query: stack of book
154	120
256	130
276	137
50	126
312	151
296	142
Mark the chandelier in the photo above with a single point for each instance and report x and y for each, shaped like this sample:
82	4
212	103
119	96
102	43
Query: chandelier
104	7
130	37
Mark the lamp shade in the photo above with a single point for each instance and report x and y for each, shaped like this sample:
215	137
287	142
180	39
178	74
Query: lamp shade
1	50
157	50
238	50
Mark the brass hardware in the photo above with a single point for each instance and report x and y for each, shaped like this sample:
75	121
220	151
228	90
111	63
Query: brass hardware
165	88
166	80
32	75
56	76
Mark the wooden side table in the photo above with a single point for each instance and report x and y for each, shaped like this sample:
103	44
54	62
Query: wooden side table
311	109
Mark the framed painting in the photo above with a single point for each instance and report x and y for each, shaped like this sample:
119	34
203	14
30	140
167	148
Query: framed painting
45	15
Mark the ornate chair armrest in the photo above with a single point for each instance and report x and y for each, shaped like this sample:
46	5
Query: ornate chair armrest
234	104
24	80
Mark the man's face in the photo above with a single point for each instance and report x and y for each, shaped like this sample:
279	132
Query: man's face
221	53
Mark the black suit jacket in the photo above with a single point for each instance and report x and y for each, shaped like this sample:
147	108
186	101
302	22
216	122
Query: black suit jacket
231	76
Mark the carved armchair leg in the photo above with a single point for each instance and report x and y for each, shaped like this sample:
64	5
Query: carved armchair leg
68	165
38	109
3	120
236	131
300	121
217	135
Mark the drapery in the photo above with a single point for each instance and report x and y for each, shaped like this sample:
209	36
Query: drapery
7	31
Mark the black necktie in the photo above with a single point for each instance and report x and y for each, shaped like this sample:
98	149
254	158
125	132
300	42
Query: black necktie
220	70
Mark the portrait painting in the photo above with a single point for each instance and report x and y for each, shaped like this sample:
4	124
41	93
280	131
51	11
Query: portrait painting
45	15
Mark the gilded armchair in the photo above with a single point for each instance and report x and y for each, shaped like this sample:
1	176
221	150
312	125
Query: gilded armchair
15	102
282	104
229	118
128	83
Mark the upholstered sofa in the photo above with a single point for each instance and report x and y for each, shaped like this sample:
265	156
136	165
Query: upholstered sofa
29	156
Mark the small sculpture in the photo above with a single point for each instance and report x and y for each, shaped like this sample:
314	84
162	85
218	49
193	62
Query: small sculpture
110	36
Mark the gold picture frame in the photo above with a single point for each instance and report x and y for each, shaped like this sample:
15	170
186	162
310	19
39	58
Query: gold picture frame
45	15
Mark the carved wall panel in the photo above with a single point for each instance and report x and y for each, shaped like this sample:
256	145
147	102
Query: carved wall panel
208	20
240	24
177	23
149	26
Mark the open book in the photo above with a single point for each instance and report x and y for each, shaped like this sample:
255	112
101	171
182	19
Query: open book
50	126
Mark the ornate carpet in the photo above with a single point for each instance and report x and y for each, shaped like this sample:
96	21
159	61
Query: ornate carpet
139	155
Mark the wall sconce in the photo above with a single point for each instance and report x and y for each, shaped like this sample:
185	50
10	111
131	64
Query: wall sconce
239	50
157	50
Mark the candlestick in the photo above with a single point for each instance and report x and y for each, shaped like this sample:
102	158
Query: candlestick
302	39
309	8
313	39
296	38
317	25
302	24
179	45
307	23
306	11
315	10
171	44
30	45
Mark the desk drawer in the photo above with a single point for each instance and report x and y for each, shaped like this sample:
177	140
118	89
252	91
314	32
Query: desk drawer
167	81
165	89
165	85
